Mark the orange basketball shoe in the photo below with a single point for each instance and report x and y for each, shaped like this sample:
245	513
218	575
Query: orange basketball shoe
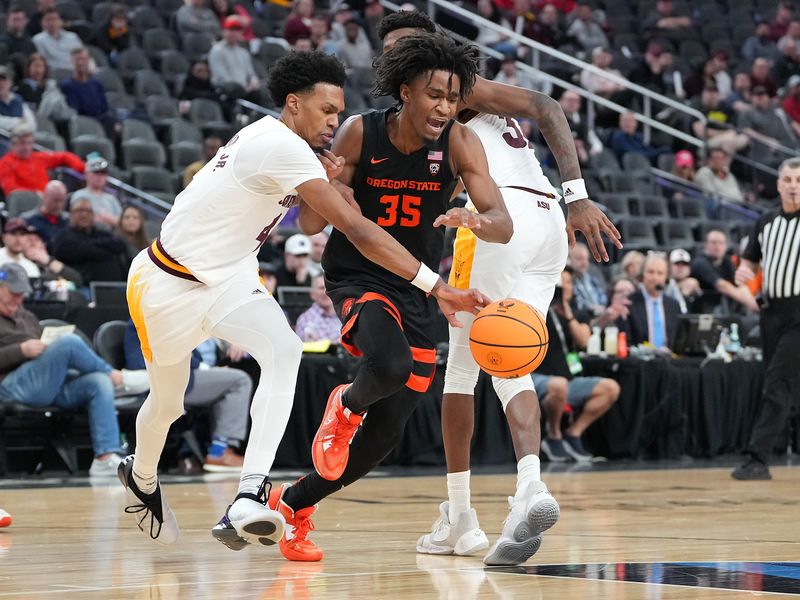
331	447
294	544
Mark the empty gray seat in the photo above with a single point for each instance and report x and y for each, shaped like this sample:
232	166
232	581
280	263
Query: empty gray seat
141	152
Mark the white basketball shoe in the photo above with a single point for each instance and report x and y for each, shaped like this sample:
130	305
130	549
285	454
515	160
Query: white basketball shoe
463	537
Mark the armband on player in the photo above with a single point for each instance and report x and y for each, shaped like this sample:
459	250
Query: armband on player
574	190
425	279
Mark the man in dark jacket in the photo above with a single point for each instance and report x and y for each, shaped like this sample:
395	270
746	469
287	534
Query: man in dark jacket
98	255
652	315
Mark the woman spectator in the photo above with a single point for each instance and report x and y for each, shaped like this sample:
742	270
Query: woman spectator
299	22
131	230
632	265
684	165
32	88
198	83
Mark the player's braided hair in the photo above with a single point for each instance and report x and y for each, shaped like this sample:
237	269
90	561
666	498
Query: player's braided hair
298	72
405	19
417	54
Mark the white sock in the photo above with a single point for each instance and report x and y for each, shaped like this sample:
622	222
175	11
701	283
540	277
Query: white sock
458	493
146	483
528	470
249	482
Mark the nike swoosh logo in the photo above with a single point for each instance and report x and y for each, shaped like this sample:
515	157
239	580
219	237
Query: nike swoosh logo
376	161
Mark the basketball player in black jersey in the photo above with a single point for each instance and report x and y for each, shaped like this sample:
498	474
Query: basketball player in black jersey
402	164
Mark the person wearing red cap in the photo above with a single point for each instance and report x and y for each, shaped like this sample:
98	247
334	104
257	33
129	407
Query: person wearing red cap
684	165
23	169
231	65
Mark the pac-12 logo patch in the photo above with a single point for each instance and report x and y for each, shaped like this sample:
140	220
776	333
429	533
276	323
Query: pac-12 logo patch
434	167
346	306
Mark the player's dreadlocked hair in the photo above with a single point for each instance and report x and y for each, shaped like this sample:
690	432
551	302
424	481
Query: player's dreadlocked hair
418	54
298	72
405	19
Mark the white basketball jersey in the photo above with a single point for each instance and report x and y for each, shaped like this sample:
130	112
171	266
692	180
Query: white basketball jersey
511	161
222	218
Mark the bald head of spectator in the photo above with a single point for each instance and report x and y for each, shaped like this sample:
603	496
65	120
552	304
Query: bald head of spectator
716	244
579	258
22	142
601	58
54	198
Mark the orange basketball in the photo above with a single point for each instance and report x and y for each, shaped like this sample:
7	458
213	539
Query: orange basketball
508	338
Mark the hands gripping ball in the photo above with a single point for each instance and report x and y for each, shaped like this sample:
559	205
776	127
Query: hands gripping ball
508	338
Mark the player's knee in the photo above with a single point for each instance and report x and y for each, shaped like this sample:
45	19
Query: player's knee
507	389
460	380
392	368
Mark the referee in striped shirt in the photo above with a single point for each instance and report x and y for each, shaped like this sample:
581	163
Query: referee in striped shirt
775	244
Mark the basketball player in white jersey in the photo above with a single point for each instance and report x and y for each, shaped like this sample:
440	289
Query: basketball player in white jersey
527	268
200	279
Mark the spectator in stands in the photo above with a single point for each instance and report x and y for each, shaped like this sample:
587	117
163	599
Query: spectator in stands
14	233
268	273
586	141
490	37
780	23
98	254
318	243
13	110
653	315
195	17
657	71
718	130
41	375
296	259
86	94
106	207
354	54
632	264
113	36
546	29
684	165
767	129
712	73
760	45
320	34
33	86
54	43
338	34
320	321
741	96
618	303
789	44
34	25
556	377
586	30
510	74
226	392
682	287
50	269
50	218
210	147
198	83
628	139
224	9
791	103
589	293
131	230
299	21
303	43
598	84
231	65
23	169
667	21
760	75
15	38
716	177
715	272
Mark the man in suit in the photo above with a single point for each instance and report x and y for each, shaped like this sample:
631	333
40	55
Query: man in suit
653	316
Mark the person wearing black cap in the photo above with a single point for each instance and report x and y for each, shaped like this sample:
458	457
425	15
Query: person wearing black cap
38	374
14	233
775	245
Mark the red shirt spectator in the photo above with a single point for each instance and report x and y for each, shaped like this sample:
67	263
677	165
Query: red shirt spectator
23	169
299	22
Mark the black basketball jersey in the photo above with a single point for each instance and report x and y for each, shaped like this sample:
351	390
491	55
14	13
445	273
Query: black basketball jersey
403	193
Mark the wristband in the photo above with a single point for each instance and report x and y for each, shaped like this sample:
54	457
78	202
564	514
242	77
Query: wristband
425	279
574	190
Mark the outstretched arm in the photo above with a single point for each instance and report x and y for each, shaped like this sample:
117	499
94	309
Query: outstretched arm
492	223
511	101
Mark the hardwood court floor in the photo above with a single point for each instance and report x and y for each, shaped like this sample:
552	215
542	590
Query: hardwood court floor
77	543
